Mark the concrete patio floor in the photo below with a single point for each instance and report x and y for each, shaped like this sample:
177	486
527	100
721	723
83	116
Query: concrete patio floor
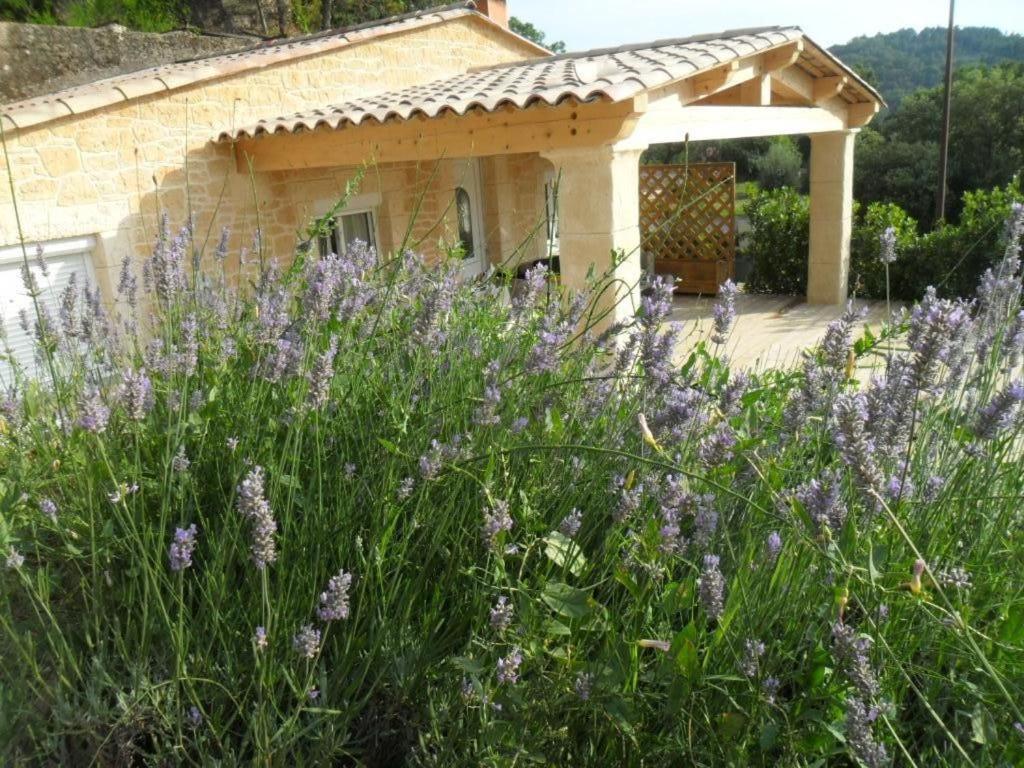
770	331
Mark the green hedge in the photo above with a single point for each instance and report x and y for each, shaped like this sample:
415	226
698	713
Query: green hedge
951	258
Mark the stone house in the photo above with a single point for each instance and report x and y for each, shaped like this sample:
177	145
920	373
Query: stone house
457	127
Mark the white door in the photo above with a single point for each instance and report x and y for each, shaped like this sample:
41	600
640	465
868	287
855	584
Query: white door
469	215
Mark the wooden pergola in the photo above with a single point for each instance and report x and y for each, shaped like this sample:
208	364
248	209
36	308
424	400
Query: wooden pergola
787	86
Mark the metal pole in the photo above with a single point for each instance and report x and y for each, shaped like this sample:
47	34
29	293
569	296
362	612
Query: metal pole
940	197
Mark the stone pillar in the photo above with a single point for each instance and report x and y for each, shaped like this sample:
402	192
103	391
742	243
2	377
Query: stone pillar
598	214
831	217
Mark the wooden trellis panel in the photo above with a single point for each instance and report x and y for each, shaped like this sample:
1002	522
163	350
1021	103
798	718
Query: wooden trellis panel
688	222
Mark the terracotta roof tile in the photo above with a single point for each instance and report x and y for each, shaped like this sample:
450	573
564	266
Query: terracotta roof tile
613	74
29	112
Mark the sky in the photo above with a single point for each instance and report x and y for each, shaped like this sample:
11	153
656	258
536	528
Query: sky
586	24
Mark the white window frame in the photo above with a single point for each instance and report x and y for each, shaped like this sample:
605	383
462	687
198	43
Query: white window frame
85	245
357	204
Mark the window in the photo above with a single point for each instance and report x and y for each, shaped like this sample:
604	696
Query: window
551	215
464	212
62	258
357	221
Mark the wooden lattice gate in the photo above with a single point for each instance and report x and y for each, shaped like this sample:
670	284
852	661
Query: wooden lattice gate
688	223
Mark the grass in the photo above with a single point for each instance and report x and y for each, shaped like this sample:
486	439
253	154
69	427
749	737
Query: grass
533	569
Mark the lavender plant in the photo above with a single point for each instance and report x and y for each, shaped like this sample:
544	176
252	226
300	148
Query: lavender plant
560	545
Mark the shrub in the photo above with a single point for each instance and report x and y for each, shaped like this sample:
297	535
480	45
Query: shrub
359	512
867	272
778	241
951	258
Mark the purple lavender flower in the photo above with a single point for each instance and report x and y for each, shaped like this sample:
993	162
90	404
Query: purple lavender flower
430	462
188	359
253	505
519	424
835	346
672	540
307	641
712	588
259	638
180	463
501	614
69	321
1019	727
883	613
181	549
127	284
998	415
860	737
705	524
750	664
936	335
49	508
629	502
231	443
855	447
772	547
955	577
583	685
822	500
321	375
716	448
724	311
93	414
851	651
221	252
887	241
770	686
571	523
733	392
14	559
195	717
334	600
508	667
313	694
135	394
487	413
497	520
405	488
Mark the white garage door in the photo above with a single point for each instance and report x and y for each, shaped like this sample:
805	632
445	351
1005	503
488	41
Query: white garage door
63	258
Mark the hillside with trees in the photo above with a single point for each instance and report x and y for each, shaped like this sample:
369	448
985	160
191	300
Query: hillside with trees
901	62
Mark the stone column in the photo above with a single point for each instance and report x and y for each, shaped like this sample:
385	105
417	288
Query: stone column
831	217
598	214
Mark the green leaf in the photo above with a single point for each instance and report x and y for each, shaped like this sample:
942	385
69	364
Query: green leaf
621	712
730	725
769	735
557	628
468	665
565	600
389	446
563	552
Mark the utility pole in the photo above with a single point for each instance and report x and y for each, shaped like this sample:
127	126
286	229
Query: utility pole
940	197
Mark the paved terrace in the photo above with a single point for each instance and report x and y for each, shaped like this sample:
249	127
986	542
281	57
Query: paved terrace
770	331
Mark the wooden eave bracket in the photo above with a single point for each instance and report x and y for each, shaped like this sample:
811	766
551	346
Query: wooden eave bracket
782	57
860	114
828	87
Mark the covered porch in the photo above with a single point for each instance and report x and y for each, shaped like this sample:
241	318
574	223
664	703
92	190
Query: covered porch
585	119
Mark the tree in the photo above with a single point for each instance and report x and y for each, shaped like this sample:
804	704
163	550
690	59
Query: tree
531	33
896	162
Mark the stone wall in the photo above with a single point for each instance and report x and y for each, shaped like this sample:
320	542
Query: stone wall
37	59
110	173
